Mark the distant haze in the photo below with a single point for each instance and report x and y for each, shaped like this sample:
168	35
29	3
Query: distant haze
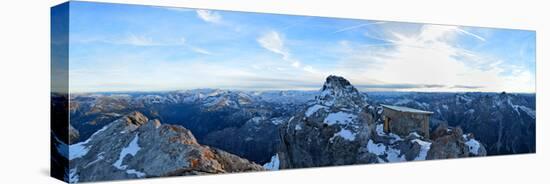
115	47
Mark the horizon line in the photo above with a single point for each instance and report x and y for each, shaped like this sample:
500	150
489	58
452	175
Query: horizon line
267	90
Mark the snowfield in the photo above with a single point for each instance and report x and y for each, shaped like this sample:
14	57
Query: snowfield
313	109
346	134
339	118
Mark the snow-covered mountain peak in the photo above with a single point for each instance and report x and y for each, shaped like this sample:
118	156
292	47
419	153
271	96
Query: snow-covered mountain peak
339	92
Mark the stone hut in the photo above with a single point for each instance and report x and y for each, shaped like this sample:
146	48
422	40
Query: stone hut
404	120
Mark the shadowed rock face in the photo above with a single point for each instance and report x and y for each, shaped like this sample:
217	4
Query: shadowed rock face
136	147
73	134
330	131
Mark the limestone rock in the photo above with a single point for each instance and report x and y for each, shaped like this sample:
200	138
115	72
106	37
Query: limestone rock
135	147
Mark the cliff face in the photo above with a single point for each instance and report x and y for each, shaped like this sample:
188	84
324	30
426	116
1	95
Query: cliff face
136	147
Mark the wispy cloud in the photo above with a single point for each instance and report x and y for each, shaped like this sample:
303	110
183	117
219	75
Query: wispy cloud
356	27
470	34
209	16
139	41
431	55
399	86
194	48
467	87
177	9
200	51
273	42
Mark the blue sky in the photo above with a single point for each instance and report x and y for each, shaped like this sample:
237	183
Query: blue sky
115	47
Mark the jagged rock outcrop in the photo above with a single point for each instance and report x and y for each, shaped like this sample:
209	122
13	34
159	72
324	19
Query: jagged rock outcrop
330	131
452	143
136	147
338	92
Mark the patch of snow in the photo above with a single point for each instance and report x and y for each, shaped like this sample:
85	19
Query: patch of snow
273	164
395	138
80	149
380	130
131	149
463	98
424	148
528	110
339	118
313	109
257	119
137	173
403	101
298	127
380	111
291	118
393	155
73	176
414	134
377	149
445	107
425	105
277	121
346	134
99	157
473	146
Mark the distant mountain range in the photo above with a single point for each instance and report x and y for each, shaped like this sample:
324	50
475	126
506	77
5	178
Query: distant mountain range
337	125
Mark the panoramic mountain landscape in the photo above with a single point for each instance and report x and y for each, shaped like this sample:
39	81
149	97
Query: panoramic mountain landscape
207	131
150	91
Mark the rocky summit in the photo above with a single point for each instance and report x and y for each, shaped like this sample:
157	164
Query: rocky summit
135	147
330	131
338	92
340	128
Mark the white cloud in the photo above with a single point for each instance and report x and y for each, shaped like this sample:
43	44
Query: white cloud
273	41
471	34
138	40
200	51
430	57
209	16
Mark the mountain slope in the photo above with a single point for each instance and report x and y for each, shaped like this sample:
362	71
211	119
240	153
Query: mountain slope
136	147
